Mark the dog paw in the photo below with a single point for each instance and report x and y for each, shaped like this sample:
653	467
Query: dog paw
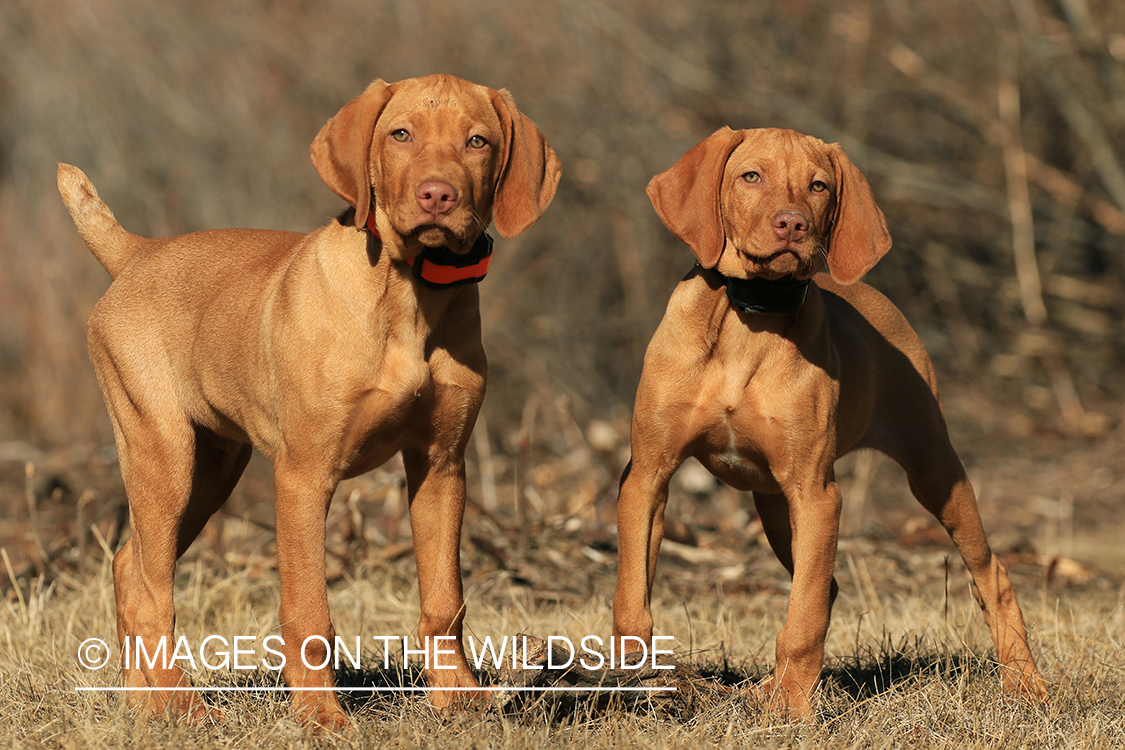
320	713
1029	686
777	700
459	690
464	701
454	700
329	722
176	706
199	713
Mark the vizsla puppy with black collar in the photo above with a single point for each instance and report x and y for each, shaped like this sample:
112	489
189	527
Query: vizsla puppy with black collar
330	352
767	372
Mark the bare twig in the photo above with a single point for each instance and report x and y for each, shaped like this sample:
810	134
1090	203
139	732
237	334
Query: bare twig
14	580
966	342
1019	198
630	263
484	462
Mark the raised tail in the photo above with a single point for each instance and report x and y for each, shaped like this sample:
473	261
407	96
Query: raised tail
107	240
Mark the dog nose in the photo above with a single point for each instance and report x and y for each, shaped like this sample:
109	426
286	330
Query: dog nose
436	197
790	225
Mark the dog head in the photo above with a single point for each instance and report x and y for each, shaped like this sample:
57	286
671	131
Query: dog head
769	203
436	159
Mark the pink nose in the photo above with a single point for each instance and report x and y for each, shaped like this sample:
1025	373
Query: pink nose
436	197
790	226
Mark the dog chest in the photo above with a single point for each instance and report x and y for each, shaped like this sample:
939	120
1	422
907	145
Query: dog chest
735	458
744	418
380	414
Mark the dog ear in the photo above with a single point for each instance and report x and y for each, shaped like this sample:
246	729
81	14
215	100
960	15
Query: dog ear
686	197
859	230
529	170
341	151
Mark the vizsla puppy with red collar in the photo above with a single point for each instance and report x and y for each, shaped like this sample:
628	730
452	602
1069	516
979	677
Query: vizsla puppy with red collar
330	352
767	372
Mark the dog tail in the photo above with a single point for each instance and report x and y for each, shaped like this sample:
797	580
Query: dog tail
107	240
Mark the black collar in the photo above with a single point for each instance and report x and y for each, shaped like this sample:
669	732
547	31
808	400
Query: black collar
782	296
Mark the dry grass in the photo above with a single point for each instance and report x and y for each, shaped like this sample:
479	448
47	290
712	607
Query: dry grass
899	672
908	654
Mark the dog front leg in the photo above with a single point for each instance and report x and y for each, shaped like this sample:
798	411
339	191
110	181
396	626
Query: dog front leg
303	497
640	530
437	507
815	519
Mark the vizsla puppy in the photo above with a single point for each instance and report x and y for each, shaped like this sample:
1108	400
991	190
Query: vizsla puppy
767	372
329	351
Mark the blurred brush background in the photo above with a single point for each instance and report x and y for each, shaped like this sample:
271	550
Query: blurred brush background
992	132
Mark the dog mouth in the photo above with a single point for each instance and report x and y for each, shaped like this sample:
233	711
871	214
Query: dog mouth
785	255
771	256
437	236
774	264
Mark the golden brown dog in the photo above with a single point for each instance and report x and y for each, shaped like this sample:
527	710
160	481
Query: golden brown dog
768	398
326	351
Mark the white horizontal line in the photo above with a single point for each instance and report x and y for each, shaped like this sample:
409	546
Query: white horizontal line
281	689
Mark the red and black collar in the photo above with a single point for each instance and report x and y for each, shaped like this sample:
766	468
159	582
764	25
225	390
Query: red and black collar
441	268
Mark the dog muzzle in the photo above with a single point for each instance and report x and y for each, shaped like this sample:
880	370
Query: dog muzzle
441	268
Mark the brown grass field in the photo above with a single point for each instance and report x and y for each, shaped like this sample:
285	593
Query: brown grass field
909	662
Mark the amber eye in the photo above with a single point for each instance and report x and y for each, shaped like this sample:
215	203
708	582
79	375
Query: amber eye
400	135
818	187
477	142
752	177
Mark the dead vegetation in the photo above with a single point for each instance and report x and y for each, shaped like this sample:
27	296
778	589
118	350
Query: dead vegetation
991	132
909	657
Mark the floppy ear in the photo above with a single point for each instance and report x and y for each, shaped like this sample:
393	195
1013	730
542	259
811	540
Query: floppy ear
529	172
686	197
859	230
341	151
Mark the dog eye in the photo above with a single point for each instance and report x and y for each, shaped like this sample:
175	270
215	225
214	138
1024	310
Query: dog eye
752	177
818	187
477	142
400	135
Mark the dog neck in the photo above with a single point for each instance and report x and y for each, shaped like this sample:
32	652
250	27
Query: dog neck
783	296
440	267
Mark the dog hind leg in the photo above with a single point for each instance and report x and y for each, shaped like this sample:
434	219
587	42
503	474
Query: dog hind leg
157	467
938	480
